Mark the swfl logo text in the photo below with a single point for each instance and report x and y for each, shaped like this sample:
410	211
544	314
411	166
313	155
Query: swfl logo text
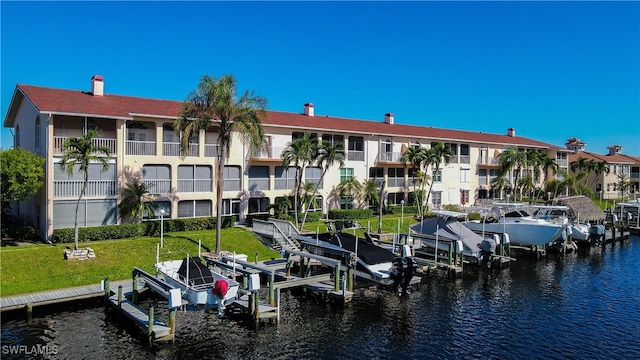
30	350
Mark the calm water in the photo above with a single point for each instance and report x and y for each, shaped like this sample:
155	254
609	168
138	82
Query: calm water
577	307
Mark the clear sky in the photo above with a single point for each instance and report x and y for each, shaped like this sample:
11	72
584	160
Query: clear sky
551	70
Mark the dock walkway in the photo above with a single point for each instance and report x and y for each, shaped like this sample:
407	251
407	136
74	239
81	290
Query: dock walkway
59	296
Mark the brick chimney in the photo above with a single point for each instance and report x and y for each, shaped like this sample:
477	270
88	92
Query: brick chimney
388	118
511	132
97	85
308	109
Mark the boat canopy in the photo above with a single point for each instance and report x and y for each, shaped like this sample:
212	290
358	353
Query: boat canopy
453	230
199	273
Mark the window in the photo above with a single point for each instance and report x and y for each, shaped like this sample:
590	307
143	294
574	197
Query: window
614	169
482	177
299	135
194	178
376	174
230	207
157	177
38	132
258	205
333	139
436	175
167	133
316	204
346	174
356	148
608	186
454	151
313	174
194	208
396	177
395	199
598	187
464	197
92	212
346	202
464	175
464	154
285	179
231	180
436	198
258	178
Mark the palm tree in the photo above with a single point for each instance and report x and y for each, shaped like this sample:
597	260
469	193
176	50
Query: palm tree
437	154
137	200
370	193
572	183
547	163
281	207
600	167
512	158
416	156
299	153
350	188
216	104
329	154
82	151
500	182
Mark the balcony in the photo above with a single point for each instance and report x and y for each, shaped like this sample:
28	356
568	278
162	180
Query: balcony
396	182
141	148
173	149
58	141
389	157
194	185
271	152
355	155
68	188
158	186
488	160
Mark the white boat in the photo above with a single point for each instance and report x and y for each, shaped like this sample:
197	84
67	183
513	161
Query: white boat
559	214
195	280
523	229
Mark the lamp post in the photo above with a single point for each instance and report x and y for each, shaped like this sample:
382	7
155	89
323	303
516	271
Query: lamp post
549	196
161	227
402	210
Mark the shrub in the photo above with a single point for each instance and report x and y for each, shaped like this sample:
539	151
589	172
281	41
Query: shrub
350	214
474	216
24	233
250	217
397	210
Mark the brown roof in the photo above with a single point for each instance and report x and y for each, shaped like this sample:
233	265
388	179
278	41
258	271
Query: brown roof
583	208
617	158
63	101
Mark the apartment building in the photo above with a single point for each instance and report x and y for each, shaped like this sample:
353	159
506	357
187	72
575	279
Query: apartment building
139	132
606	184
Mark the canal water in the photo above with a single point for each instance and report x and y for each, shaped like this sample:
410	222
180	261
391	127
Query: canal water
582	306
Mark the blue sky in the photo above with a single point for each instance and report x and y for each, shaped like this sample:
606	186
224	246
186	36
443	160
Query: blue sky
551	70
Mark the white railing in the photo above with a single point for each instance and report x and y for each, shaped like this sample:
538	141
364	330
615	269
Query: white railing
389	156
271	152
173	149
396	182
488	160
194	185
58	142
141	148
258	184
281	239
158	186
64	188
355	155
211	150
231	185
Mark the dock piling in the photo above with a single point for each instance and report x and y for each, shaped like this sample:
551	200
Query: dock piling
120	297
134	292
150	326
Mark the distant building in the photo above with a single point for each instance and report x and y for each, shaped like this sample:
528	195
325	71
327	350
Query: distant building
140	133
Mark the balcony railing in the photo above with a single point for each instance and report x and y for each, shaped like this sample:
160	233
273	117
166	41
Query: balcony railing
271	152
389	156
194	185
231	185
396	182
258	184
173	149
144	148
158	186
488	160
65	188
211	150
58	142
355	155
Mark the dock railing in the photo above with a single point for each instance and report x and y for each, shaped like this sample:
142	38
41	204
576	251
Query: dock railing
282	238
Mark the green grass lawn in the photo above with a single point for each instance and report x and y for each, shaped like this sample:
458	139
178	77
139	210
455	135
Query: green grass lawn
32	268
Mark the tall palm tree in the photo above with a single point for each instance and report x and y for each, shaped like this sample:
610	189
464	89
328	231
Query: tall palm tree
300	153
82	151
500	182
416	156
572	183
351	188
329	154
437	154
512	158
548	164
370	193
216	104
600	167
136	200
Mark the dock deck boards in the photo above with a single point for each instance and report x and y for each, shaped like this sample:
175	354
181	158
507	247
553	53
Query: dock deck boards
58	296
141	317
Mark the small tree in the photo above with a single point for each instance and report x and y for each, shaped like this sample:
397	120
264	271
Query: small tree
136	200
299	153
21	173
82	151
370	193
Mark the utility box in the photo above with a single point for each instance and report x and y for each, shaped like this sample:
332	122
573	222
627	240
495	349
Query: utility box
254	282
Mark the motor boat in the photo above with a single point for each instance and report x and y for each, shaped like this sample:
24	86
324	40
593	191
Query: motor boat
513	219
559	214
195	280
372	262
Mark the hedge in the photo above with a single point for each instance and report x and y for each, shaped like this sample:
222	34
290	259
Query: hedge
397	210
149	228
350	214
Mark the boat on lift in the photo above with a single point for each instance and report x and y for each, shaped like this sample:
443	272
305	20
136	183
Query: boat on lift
560	214
513	219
